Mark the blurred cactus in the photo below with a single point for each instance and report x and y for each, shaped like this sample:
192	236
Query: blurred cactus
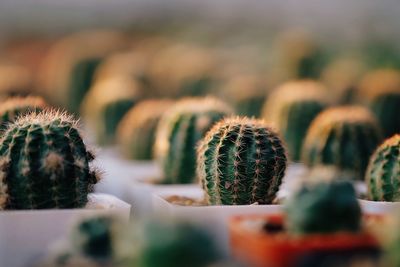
178	132
44	164
136	131
344	137
69	68
383	173
241	161
291	108
105	105
324	207
15	107
380	91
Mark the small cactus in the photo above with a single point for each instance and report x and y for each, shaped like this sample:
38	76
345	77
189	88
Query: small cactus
380	91
106	104
136	131
383	173
344	137
178	132
291	108
241	161
324	207
44	163
18	106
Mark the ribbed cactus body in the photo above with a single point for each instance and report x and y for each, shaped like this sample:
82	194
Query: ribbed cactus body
380	91
383	173
44	164
241	161
136	131
179	131
14	107
324	207
344	137
291	108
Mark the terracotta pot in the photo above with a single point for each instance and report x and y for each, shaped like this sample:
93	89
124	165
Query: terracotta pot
260	248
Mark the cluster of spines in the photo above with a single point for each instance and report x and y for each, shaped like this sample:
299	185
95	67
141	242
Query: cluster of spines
178	132
44	163
383	173
241	161
344	137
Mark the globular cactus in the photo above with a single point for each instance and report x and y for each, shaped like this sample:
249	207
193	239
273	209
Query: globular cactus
14	107
344	137
291	108
324	207
136	131
383	173
380	91
241	161
178	132
44	163
105	105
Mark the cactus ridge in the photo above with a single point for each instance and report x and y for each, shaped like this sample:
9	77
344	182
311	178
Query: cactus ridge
178	132
241	161
344	137
383	172
44	163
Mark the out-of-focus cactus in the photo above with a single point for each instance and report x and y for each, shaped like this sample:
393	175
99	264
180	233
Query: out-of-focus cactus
344	137
380	91
44	163
136	131
241	161
105	105
383	173
178	132
69	68
324	207
291	108
19	106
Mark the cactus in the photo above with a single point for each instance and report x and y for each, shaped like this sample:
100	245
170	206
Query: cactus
106	104
44	163
18	106
291	108
344	137
324	207
380	91
383	173
241	161
178	132
136	131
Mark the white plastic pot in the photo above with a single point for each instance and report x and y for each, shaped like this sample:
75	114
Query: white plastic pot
379	207
25	235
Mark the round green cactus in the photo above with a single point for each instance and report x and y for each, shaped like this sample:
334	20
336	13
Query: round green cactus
291	108
14	107
344	137
44	164
380	91
383	173
178	132
324	207
241	161
136	131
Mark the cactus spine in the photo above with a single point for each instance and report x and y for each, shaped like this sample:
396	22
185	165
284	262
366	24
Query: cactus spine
291	108
44	164
344	137
241	161
136	131
324	207
383	173
178	132
18	106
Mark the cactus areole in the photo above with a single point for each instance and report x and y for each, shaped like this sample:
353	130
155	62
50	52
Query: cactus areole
241	161
44	163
